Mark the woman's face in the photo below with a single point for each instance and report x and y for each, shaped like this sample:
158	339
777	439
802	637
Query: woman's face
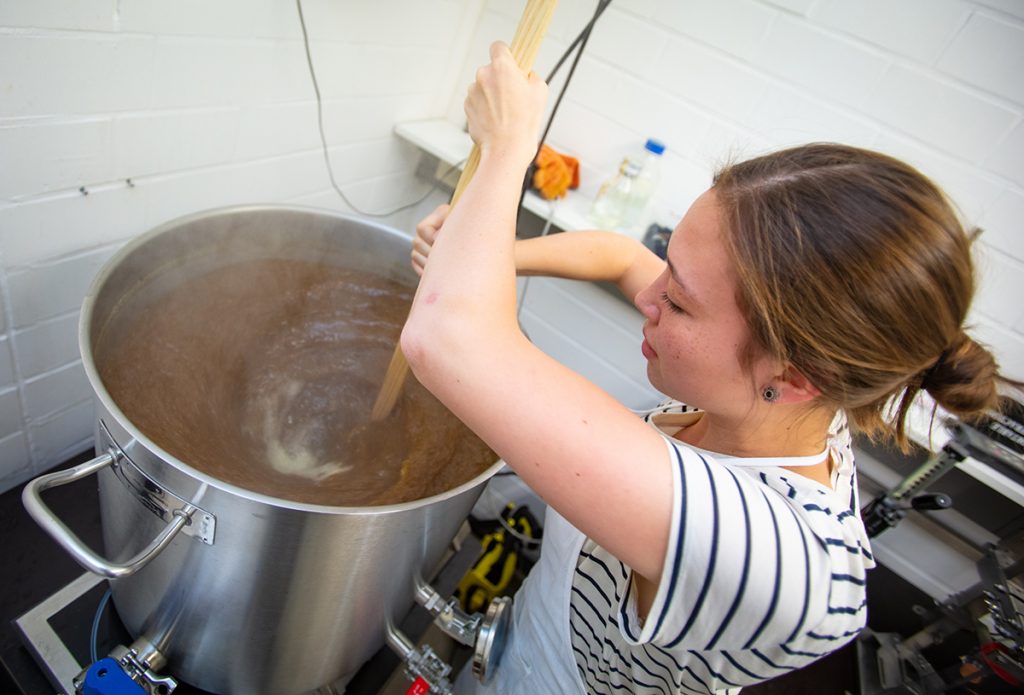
694	328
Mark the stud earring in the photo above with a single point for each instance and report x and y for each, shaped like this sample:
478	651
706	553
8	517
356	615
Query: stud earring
770	394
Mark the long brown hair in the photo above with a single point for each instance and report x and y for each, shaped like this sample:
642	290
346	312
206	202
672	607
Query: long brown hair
853	267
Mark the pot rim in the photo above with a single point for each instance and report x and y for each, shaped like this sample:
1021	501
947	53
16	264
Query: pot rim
100	391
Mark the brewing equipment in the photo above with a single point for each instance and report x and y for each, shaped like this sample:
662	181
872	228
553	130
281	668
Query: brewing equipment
241	591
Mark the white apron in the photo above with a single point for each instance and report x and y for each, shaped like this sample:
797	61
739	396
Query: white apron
539	649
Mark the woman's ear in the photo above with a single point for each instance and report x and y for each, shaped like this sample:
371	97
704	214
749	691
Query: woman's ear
794	387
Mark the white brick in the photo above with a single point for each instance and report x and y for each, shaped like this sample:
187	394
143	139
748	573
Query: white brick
705	78
10	412
43	229
737	27
510	9
626	42
1001	224
398	190
489	26
988	53
202	72
394	22
55	391
45	291
278	129
1014	7
361	119
681	182
576	131
279	73
152	143
90	15
47	345
7	375
1007	345
1000	286
52	156
279	20
829	65
727	144
358	70
266	181
940	113
77	74
229	18
797	6
67	433
1008	157
639	106
640	8
14	461
919	29
972	190
569	19
788	117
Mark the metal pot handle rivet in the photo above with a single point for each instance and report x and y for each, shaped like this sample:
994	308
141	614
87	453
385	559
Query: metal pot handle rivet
83	555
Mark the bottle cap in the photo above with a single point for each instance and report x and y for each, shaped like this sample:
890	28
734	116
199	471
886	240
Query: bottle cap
655	146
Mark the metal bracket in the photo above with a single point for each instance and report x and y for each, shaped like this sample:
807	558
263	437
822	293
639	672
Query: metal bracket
156	499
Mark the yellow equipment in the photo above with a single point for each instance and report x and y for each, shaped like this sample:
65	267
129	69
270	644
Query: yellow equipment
499	559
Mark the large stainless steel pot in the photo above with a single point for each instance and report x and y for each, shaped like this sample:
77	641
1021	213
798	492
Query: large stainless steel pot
241	592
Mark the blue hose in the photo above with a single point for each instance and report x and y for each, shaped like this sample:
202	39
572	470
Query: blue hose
96	626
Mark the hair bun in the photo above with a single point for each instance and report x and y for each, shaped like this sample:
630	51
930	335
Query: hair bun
963	378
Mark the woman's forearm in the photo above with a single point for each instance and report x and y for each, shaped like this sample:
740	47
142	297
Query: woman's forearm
590	255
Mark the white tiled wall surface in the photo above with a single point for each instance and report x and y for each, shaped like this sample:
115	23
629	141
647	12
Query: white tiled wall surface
118	116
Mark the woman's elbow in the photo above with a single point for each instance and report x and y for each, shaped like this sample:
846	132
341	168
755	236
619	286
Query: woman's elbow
415	344
428	346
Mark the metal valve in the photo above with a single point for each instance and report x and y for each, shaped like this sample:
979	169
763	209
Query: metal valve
127	671
486	634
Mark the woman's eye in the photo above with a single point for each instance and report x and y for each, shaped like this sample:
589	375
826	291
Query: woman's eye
672	306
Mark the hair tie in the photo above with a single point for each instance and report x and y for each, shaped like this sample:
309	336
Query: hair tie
929	372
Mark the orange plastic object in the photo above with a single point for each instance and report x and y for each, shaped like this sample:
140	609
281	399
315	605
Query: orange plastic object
555	173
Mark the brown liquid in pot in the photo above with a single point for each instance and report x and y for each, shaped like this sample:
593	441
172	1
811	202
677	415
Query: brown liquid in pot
263	374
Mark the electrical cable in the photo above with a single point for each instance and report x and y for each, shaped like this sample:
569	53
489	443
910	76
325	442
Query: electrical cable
581	38
323	139
580	42
94	634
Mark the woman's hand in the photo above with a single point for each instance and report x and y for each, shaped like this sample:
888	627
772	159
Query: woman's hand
505	107
426	233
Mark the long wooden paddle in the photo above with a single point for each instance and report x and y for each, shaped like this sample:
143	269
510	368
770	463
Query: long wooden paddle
525	44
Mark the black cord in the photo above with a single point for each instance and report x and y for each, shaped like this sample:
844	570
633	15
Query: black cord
323	139
581	40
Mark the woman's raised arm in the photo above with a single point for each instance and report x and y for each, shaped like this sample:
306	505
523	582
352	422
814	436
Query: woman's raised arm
583	452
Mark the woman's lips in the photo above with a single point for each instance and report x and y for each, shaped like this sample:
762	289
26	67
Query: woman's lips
645	347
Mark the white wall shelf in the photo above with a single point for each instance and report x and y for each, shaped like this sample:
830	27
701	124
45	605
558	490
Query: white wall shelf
451	144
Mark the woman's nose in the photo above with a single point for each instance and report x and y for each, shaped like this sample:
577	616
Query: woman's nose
646	301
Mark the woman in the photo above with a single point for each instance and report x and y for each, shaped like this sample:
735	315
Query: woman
714	544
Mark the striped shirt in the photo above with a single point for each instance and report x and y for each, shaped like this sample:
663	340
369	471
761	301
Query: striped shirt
764	573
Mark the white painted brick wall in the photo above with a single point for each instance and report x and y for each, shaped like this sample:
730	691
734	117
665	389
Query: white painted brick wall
200	105
206	104
935	82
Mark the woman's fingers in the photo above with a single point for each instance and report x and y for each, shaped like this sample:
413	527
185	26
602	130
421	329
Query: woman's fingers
504	106
426	233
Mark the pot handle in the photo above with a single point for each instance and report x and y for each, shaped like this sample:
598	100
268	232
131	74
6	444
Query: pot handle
83	555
